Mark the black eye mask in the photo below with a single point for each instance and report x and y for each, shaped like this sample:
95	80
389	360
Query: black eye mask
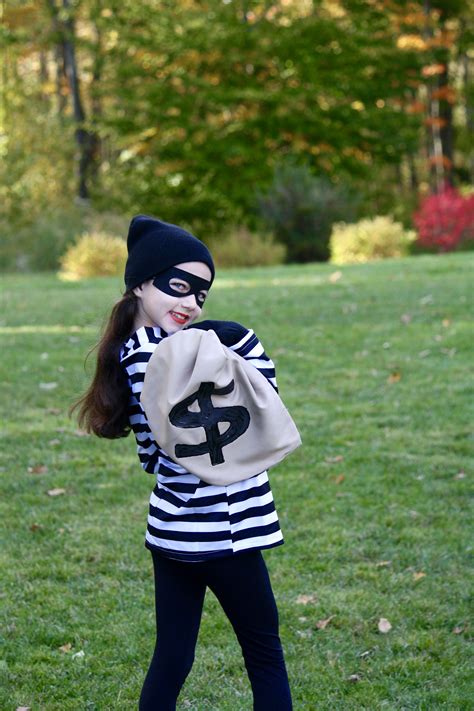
196	284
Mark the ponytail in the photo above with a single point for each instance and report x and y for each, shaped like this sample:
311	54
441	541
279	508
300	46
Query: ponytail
103	409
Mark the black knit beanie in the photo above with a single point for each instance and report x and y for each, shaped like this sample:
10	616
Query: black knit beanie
154	246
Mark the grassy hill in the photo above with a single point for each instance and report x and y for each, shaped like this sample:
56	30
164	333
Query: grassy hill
375	364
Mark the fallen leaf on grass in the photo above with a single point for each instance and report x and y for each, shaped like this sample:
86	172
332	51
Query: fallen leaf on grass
38	469
339	479
79	655
460	475
418	576
459	630
81	433
446	322
405	318
333	460
322	624
335	276
428	299
56	492
384	625
48	386
66	647
305	599
23	708
35	527
394	377
425	353
383	563
54	442
354	678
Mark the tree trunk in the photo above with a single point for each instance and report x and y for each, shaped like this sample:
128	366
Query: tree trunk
468	113
414	183
84	139
44	74
60	79
446	125
399	176
435	147
96	104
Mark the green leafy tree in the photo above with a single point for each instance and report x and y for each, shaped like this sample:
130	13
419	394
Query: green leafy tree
184	109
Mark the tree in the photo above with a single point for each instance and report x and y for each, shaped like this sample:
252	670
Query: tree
184	109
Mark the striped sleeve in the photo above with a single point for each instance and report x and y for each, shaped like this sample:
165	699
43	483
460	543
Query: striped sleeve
135	356
250	348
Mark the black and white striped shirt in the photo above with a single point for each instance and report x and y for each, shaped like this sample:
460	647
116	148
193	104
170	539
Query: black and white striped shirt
189	519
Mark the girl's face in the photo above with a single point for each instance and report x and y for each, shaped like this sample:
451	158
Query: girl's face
175	309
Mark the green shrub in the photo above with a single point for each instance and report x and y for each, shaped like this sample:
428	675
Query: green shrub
94	254
36	179
37	242
369	239
301	209
242	248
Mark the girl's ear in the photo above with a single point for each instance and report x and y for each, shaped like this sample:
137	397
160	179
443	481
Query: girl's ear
138	291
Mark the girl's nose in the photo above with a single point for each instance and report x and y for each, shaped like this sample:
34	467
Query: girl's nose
189	301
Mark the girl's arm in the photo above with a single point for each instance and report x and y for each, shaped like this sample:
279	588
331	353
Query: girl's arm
244	342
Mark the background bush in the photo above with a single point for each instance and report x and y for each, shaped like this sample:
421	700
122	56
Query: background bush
242	248
445	221
369	239
94	254
38	241
301	208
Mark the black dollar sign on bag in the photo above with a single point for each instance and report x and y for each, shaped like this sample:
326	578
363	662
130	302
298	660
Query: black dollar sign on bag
209	416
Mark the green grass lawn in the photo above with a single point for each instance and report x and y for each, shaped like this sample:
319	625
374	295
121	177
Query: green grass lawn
374	363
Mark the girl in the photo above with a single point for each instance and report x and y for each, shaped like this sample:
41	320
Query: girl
199	535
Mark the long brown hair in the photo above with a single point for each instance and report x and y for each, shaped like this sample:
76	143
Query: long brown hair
103	409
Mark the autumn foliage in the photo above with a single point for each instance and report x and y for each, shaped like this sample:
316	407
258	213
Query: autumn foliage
445	221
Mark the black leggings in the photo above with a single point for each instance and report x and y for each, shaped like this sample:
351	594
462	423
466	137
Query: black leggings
242	586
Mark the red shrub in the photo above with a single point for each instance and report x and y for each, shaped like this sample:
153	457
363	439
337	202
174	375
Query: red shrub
445	221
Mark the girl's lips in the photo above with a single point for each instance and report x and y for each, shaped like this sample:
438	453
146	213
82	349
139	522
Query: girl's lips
179	318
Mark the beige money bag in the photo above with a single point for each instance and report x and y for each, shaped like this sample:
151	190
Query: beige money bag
212	412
